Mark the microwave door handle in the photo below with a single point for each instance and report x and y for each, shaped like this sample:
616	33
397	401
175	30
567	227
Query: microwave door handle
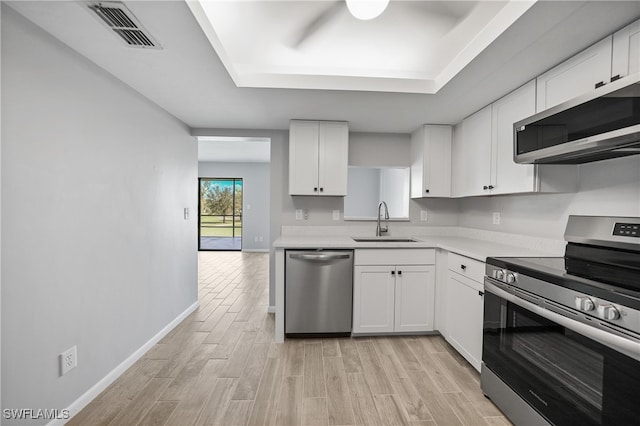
626	346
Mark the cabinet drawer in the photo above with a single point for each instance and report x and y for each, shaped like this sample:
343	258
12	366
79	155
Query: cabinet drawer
395	257
466	266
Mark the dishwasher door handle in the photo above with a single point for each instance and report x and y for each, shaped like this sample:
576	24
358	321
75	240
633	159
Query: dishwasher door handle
320	257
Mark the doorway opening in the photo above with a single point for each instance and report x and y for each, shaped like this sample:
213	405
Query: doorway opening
220	214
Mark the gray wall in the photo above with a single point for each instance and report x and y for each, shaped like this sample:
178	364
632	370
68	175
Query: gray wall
610	187
95	250
363	189
255	198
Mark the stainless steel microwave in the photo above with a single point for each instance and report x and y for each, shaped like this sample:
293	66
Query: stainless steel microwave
596	126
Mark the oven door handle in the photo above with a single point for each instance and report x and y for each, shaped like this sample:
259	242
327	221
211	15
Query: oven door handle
626	346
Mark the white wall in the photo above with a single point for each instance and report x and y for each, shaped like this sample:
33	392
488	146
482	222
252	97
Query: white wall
609	188
95	250
255	198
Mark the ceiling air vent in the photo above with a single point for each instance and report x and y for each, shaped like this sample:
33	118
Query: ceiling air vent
125	24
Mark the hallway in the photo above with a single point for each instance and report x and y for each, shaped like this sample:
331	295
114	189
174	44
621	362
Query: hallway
221	366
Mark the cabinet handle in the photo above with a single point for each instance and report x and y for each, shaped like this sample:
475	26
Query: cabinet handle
616	77
399	272
485	187
600	84
315	189
480	293
463	267
393	272
426	190
491	186
321	189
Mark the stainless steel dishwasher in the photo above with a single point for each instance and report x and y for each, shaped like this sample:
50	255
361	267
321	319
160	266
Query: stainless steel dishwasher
318	292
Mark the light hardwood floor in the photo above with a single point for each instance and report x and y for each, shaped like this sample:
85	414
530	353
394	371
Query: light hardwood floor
220	366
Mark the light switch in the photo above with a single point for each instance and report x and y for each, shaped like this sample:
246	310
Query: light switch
186	213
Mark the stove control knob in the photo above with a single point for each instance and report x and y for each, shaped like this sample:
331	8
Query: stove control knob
608	312
500	274
584	303
510	278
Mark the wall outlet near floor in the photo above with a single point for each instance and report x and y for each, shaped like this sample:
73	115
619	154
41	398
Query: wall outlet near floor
423	215
336	215
68	360
496	218
298	214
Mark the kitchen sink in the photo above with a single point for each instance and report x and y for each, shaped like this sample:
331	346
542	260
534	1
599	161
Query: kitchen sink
383	240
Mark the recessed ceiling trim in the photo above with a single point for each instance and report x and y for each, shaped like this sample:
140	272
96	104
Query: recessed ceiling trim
325	82
202	18
267	76
499	24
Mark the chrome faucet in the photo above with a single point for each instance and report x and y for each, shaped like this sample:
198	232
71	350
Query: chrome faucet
379	229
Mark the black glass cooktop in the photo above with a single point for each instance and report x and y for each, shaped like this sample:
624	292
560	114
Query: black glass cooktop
617	284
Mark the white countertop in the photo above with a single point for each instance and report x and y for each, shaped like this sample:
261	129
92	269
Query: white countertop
474	248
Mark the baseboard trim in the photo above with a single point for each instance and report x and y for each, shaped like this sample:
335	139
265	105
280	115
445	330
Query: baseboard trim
271	309
95	390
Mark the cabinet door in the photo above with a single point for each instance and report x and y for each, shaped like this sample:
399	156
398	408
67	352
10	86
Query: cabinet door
507	176
414	300
472	166
464	317
431	161
576	76
373	299
333	158
626	51
303	157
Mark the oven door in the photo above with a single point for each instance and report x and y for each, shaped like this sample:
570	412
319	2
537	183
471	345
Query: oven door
566	377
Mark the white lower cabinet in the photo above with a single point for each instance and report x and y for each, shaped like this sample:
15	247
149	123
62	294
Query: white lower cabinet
393	297
464	307
373	299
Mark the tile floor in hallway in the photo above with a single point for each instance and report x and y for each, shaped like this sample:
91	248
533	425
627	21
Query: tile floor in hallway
220	366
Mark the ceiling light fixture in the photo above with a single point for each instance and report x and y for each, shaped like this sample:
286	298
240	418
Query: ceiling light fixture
366	9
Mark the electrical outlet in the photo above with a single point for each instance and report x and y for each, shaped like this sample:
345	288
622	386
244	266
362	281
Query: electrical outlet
336	215
423	215
261	238
68	360
305	213
496	218
298	214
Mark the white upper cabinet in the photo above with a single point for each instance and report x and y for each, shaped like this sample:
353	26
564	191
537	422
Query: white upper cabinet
318	157
578	75
507	176
626	51
431	161
483	154
472	155
612	58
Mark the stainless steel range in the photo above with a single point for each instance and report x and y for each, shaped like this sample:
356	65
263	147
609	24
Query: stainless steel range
561	336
